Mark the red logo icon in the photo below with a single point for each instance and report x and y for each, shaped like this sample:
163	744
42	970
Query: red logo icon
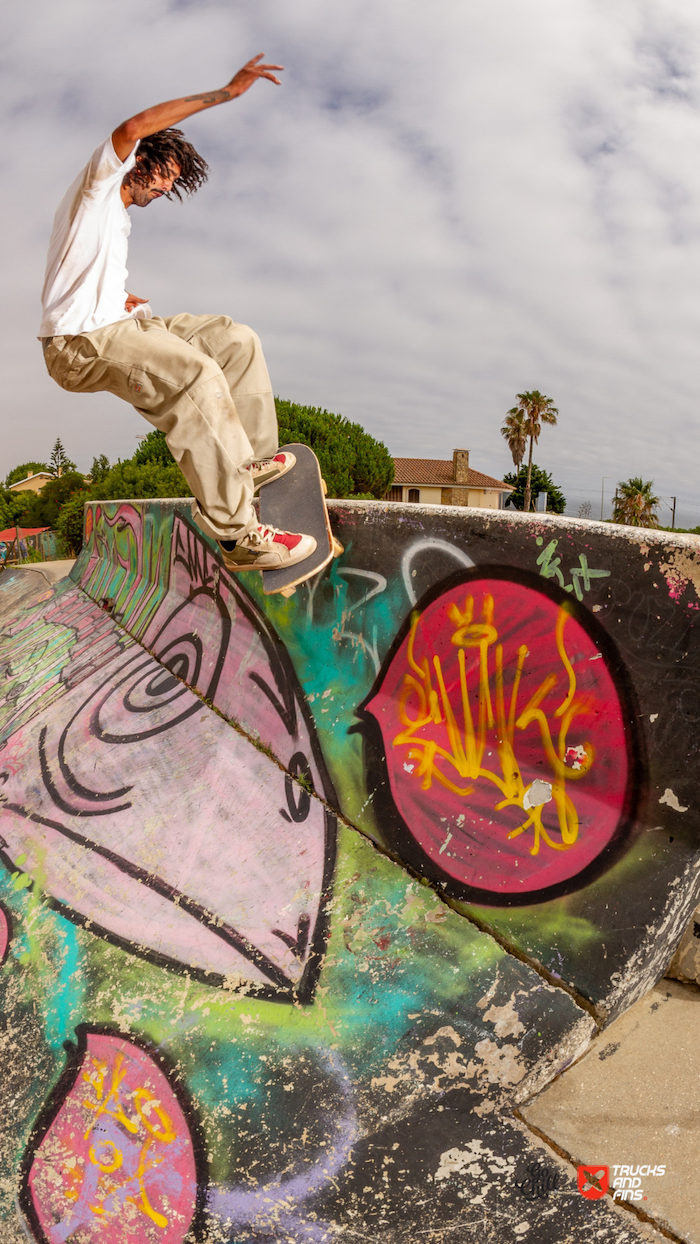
593	1181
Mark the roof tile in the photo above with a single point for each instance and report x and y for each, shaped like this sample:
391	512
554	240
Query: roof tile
437	471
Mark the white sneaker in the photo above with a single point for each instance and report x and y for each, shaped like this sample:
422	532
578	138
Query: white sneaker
270	468
268	548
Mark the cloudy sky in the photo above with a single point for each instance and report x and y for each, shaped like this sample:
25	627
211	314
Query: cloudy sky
443	204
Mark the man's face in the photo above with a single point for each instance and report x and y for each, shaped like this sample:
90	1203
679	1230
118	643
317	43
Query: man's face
141	193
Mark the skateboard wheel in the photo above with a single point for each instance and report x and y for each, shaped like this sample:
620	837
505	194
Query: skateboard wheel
338	548
287	592
324	486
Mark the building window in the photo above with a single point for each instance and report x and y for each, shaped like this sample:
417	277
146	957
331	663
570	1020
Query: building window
414	494
395	493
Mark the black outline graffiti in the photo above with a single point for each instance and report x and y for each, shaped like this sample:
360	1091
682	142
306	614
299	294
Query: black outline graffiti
76	1053
205	573
395	829
8	922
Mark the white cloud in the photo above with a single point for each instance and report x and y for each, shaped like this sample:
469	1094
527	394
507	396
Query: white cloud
441	206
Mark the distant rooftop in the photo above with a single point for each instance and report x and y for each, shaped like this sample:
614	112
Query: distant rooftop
440	472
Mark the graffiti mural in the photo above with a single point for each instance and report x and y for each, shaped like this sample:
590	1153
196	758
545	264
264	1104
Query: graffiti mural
228	1015
112	1157
86	795
502	749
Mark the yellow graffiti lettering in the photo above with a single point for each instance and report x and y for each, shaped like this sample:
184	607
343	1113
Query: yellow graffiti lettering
108	1162
167	1132
462	761
143	1202
102	1106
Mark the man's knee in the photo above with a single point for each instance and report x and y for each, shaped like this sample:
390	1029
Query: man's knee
240	335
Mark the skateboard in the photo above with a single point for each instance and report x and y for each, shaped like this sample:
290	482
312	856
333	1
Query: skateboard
296	502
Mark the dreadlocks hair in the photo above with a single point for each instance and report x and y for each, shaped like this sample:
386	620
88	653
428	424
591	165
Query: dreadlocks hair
158	151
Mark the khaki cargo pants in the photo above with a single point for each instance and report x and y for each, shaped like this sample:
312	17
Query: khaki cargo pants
200	379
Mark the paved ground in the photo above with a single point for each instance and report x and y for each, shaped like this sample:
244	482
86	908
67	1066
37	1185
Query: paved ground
633	1101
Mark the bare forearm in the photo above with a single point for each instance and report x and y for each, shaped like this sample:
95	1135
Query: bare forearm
160	117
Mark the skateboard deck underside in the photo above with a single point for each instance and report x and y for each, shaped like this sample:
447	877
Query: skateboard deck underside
296	503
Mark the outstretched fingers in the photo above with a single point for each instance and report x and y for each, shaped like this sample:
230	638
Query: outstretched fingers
254	70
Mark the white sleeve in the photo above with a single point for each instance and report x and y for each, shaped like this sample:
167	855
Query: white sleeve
104	168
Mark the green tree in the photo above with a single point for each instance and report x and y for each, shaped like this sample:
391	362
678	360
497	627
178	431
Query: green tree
15	506
635	504
22	471
154	448
99	468
6	514
131	480
42	508
540	481
69	524
535	410
353	463
60	463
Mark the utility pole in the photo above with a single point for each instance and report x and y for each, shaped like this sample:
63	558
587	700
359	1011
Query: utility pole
602	494
673	517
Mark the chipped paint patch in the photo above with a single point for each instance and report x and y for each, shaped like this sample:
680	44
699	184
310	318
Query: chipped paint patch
669	798
680	570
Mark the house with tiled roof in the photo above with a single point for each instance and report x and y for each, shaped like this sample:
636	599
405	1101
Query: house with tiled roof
32	483
437	481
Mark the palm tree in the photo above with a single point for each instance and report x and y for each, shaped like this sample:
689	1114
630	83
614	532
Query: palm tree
516	437
635	505
525	420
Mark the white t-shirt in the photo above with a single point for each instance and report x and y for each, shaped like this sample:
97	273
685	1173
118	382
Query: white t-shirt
85	283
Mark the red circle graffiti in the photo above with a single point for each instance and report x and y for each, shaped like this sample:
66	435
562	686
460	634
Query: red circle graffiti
505	738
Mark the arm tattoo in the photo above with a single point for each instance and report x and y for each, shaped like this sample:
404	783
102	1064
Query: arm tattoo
208	97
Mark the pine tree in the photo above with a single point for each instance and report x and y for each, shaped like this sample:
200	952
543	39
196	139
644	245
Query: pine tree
60	462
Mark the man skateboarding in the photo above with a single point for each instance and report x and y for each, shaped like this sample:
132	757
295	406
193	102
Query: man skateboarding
201	379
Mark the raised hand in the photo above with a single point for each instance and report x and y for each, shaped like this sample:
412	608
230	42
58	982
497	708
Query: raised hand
239	84
249	74
161	116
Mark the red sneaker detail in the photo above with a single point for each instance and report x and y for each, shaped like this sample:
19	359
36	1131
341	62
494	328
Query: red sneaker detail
287	537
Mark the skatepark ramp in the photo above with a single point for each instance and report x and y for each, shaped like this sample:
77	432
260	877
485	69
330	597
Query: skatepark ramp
303	897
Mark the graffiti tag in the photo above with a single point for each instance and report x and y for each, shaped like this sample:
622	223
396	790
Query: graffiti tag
581	575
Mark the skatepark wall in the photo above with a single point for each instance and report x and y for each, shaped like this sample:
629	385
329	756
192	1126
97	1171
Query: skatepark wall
446	662
302	896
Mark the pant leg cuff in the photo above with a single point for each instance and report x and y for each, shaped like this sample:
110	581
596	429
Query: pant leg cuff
230	532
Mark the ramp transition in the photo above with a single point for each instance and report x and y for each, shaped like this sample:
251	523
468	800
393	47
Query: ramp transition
271	1027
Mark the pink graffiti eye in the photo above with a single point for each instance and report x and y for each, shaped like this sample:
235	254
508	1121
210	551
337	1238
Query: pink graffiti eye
499	740
118	1151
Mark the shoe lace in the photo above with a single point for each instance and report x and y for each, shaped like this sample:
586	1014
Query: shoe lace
264	535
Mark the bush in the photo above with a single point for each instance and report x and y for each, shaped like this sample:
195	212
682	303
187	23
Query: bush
69	524
127	481
540	481
353	463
